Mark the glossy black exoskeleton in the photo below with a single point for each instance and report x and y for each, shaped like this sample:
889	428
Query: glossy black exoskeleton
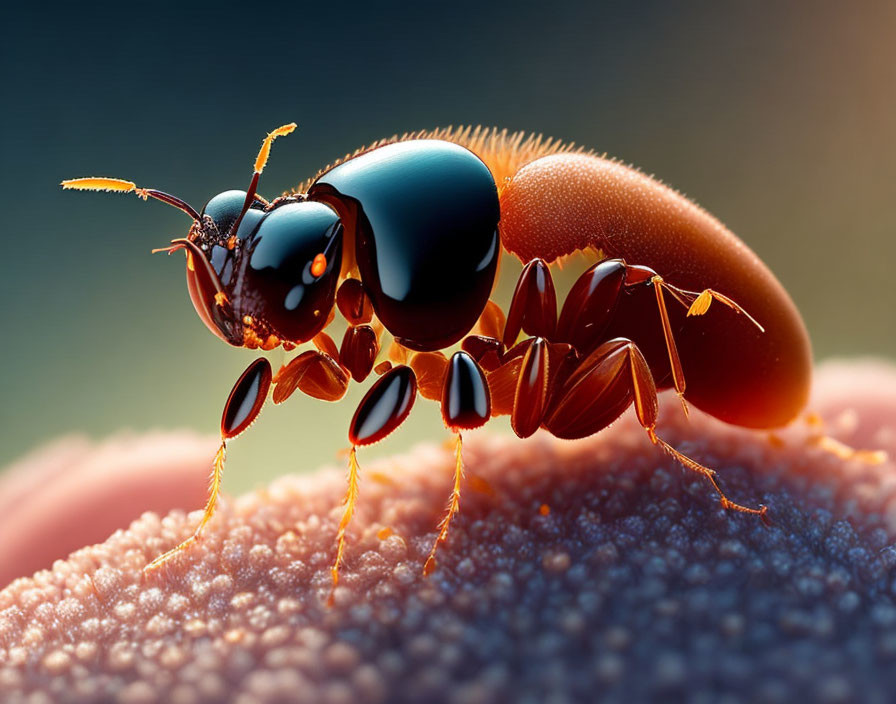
423	217
418	218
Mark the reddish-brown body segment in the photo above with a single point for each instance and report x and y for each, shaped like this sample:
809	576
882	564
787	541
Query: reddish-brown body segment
561	203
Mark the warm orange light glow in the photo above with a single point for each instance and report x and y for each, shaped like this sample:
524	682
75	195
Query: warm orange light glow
319	265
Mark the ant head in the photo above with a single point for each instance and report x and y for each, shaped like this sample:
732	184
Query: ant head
257	276
277	269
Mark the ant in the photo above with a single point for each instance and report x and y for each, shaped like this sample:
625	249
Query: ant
405	236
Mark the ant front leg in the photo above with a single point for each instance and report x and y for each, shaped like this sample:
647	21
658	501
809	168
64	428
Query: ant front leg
602	387
316	373
242	408
466	404
359	349
384	407
360	344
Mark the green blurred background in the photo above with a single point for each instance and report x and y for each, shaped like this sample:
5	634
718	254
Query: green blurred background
777	117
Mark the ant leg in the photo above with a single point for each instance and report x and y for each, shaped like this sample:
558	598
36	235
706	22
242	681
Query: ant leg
452	508
846	452
214	485
314	373
485	350
348	502
242	408
384	407
591	303
359	349
819	438
697	304
354	303
533	308
492	321
466	404
502	383
532	390
524	380
644	392
430	369
636	275
671	348
606	382
595	394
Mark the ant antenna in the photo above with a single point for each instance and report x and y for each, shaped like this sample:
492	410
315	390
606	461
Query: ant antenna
94	183
260	162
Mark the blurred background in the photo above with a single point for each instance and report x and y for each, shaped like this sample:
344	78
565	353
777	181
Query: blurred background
777	117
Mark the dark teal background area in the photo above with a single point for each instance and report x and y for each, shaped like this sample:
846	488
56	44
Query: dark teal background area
779	118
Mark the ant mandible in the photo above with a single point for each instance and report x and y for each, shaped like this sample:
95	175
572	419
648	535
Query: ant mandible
405	236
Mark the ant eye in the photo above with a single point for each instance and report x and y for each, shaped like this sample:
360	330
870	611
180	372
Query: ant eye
293	266
226	207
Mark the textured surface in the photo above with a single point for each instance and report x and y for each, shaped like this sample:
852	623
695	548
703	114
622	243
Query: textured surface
72	493
633	585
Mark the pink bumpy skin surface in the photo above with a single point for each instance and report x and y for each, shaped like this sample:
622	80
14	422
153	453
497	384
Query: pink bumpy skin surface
72	493
574	570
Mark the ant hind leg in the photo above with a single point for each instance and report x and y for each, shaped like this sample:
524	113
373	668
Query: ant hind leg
819	438
644	392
